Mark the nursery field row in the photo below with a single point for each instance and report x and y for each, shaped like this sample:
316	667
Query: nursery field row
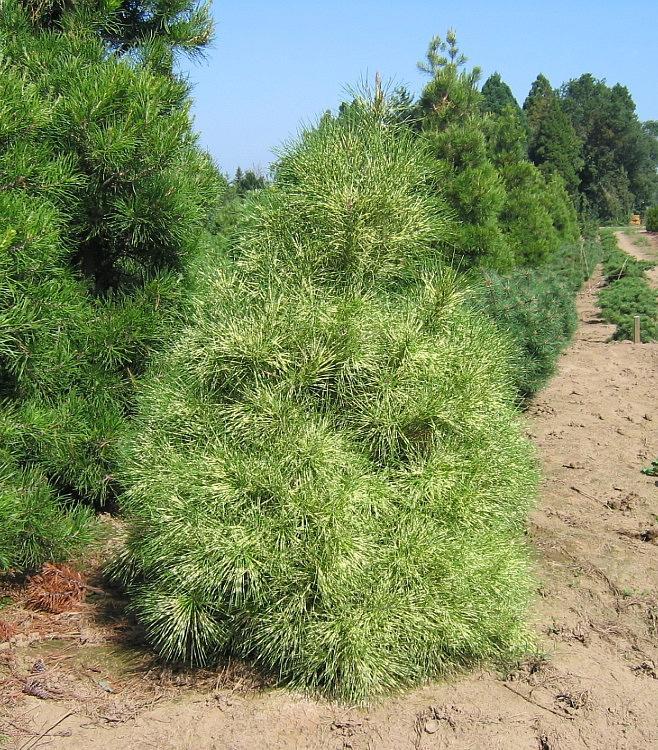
588	681
273	431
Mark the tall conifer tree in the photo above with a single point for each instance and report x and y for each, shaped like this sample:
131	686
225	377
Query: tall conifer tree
554	145
497	96
619	171
454	126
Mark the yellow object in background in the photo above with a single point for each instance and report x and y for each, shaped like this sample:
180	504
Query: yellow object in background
635	220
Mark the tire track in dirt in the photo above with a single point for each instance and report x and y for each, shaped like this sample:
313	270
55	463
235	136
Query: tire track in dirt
594	686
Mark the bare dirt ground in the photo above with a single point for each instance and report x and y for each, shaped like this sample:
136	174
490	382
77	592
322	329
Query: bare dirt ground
74	681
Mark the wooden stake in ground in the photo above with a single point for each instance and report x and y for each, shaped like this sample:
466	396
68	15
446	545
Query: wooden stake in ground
636	333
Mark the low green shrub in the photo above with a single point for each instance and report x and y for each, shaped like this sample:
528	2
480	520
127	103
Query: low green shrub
575	263
622	300
617	264
627	293
651	219
326	473
536	308
652	470
538	312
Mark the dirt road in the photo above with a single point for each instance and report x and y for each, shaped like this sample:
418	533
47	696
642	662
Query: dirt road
593	686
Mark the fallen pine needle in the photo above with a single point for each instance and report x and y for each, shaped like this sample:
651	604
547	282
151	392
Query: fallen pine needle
539	705
33	740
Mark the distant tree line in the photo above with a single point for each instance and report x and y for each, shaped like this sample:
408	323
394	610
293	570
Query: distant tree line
585	132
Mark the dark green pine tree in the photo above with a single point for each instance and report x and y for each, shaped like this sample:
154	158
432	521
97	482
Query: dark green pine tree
507	136
506	127
160	28
453	124
537	100
554	145
244	182
104	199
650	128
538	214
619	173
497	96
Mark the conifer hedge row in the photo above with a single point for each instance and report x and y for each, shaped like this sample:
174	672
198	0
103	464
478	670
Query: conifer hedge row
536	307
627	293
507	212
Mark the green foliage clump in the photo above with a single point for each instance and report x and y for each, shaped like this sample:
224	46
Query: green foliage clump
622	300
575	263
538	216
562	210
506	136
453	125
497	97
526	218
103	199
617	264
627	293
35	527
554	145
505	126
652	470
157	29
536	309
651	219
620	155
508	212
326	475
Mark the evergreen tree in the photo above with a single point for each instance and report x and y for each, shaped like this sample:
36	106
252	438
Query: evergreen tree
536	216
244	182
326	475
104	197
454	126
561	208
497	96
538	101
526	218
499	198
619	171
506	127
554	145
452	93
158	27
403	106
506	136
651	132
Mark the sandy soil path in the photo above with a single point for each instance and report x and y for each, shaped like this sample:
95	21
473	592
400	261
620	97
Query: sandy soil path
595	685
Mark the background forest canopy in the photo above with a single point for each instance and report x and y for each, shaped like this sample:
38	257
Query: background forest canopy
585	131
346	345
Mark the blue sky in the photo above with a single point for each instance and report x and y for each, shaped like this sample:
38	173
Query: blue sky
277	65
